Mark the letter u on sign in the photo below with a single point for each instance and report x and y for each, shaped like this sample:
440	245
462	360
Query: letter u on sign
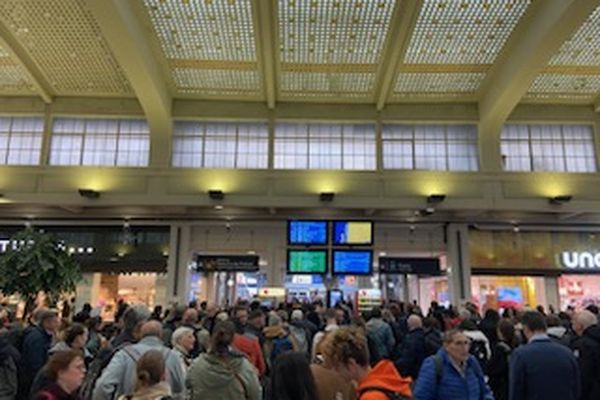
570	259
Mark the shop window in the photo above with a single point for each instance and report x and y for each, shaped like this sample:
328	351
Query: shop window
430	147
100	142
220	145
21	140
325	146
556	148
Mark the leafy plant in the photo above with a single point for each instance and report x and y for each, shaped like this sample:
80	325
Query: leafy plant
37	262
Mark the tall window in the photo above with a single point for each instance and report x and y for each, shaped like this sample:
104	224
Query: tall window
325	146
100	142
21	140
430	147
558	148
220	145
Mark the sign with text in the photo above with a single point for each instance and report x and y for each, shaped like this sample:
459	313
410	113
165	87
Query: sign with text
227	263
405	265
573	260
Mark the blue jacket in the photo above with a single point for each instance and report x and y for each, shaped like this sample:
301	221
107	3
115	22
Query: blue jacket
412	354
382	335
450	385
543	370
34	355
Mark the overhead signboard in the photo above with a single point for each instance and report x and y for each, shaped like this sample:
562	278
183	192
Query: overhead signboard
227	263
404	265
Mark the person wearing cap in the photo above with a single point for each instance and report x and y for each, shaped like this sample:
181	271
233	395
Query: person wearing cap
36	345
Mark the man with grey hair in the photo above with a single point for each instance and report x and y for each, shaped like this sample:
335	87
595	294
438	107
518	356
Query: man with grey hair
119	377
587	351
412	352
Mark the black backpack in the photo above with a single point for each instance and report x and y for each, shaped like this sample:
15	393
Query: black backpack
390	394
433	342
478	350
86	391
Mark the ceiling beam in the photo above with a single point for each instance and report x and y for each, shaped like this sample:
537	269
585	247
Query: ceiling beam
597	104
18	53
129	43
542	30
267	46
402	24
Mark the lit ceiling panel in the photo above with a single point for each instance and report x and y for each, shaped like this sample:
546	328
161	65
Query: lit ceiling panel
463	31
583	87
64	40
346	34
444	84
13	79
584	47
215	33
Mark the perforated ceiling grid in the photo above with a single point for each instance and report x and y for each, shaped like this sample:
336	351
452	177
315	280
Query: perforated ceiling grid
584	87
220	31
438	83
584	47
13	79
463	31
65	41
349	34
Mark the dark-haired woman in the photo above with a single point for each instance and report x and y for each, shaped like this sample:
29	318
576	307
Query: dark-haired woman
292	379
150	384
66	370
497	366
223	373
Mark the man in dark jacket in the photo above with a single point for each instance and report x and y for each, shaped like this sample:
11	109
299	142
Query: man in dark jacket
9	359
542	370
35	347
413	349
587	350
133	319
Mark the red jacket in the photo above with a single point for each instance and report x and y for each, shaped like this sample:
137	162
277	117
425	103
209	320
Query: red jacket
384	375
251	348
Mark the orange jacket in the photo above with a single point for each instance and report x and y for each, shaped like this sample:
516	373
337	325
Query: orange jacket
384	375
251	348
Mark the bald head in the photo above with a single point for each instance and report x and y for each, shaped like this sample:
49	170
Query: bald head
414	322
583	320
190	317
152	328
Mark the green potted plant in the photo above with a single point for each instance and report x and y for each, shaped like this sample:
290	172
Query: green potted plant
36	262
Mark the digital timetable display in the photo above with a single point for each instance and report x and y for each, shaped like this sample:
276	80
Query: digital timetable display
307	232
307	262
352	262
352	232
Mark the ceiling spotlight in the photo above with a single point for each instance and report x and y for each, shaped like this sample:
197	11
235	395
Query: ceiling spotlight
218	207
436	198
89	193
326	197
216	195
425	212
560	200
516	229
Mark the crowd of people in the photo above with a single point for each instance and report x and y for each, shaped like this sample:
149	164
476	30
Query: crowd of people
301	352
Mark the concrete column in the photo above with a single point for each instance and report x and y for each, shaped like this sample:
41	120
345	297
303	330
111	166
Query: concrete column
178	274
552	295
459	268
490	157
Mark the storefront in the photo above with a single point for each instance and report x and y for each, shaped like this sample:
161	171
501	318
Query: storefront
518	269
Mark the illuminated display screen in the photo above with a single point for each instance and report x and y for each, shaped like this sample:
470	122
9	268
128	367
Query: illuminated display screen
307	262
352	262
352	232
307	232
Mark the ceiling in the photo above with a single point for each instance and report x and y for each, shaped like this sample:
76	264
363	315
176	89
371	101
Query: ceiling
340	51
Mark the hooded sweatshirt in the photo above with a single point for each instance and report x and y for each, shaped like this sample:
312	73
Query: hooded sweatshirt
231	378
384	375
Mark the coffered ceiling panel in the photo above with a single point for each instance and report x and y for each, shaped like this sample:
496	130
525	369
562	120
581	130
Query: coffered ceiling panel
209	45
331	48
65	42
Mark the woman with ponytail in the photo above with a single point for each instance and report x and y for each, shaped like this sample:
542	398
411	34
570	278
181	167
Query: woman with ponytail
151	384
223	373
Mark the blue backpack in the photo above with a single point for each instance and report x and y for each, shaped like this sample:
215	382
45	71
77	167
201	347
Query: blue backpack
280	345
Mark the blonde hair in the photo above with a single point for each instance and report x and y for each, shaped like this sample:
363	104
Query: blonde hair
344	344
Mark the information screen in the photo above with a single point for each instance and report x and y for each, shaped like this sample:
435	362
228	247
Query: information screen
307	232
352	262
307	262
353	232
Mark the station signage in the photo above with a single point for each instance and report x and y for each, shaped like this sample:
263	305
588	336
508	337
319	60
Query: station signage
584	260
227	263
404	265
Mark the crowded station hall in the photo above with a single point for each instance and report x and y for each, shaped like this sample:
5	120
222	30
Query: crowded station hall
299	199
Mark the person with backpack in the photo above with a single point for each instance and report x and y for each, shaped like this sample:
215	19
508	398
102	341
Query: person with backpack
223	373
497	368
300	333
480	345
381	333
150	383
66	370
412	352
348	355
586	348
277	340
118	378
453	373
433	336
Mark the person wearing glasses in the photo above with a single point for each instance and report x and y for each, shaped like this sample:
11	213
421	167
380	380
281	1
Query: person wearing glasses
453	373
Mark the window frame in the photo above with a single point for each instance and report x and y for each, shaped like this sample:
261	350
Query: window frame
10	134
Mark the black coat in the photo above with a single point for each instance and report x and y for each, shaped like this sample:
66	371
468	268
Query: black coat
412	353
497	370
587	351
34	355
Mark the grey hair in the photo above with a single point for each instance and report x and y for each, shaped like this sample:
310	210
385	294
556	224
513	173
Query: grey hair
135	316
179	333
449	335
